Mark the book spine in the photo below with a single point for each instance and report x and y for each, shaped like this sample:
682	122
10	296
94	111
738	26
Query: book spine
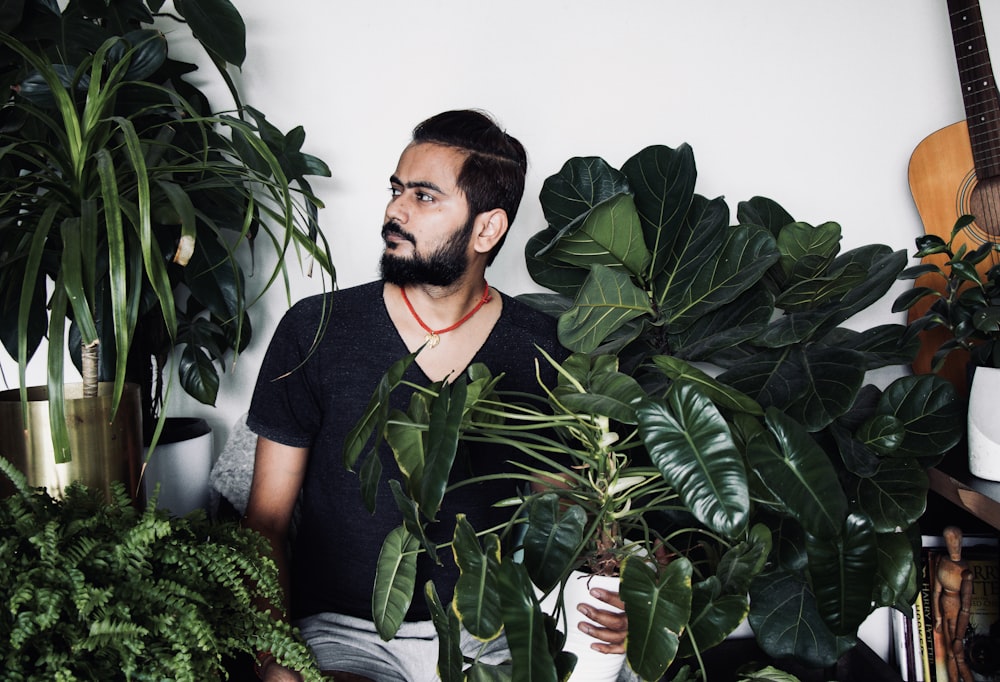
927	619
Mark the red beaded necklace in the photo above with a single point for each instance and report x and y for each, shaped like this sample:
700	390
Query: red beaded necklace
433	337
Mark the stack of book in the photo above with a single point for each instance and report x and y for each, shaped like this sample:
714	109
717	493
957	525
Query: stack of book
920	647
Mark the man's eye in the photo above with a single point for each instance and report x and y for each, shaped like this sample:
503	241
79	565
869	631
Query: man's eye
423	196
395	191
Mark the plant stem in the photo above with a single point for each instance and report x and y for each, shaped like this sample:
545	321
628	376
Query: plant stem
89	362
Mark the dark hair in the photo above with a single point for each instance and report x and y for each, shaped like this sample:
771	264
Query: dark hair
492	175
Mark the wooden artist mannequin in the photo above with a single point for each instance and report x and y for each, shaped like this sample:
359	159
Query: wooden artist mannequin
953	597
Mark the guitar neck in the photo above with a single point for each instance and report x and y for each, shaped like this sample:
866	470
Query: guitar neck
979	91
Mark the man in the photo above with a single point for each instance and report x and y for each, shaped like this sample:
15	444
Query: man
454	194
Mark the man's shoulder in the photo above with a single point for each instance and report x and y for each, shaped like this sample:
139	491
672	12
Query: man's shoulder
361	294
523	315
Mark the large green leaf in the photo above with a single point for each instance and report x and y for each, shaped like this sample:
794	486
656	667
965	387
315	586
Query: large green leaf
662	180
607	300
723	328
843	571
580	185
710	280
551	273
799	473
448	628
713	616
376	412
658	609
930	411
896	582
395	580
785	619
524	626
689	441
552	540
895	496
442	444
218	25
722	395
609	235
607	392
476	599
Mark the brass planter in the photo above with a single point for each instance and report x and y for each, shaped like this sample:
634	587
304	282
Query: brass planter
103	450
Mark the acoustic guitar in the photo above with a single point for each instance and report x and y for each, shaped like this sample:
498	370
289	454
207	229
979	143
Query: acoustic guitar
956	171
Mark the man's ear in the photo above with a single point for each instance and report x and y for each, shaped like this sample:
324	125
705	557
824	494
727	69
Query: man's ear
491	227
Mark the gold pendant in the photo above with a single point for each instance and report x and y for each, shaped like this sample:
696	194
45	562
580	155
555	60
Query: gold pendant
432	340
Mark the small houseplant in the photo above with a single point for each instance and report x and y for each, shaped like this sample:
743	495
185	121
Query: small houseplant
97	590
135	201
964	301
747	449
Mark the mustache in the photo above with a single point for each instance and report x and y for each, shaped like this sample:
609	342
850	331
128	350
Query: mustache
394	228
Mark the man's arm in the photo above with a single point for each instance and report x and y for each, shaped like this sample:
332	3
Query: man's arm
278	472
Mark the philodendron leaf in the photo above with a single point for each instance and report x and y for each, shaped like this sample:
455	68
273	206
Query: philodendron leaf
798	472
447	410
376	412
721	394
553	540
524	625
476	599
896	581
448	628
843	572
411	517
658	609
662	180
895	496
785	619
690	443
745	560
607	300
395	580
713	616
406	436
930	411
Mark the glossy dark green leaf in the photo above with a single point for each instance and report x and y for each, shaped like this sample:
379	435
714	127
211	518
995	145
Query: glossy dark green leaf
412	521
725	327
552	540
376	412
550	273
843	572
799	241
895	496
662	180
785	619
580	185
764	212
524	626
607	300
799	473
610	235
607	392
444	429
930	410
658	609
476	598
198	375
713	616
722	395
896	580
395	580
448	629
218	25
690	443
882	433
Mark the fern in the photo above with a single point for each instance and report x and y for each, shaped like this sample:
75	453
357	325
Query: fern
96	590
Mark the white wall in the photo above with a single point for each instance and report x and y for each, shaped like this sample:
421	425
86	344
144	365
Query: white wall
817	105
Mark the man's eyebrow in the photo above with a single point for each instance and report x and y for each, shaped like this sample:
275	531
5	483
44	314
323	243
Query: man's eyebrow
416	184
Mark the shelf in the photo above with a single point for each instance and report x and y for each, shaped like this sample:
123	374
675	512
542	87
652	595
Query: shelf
979	497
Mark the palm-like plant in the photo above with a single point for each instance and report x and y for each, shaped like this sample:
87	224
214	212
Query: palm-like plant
127	201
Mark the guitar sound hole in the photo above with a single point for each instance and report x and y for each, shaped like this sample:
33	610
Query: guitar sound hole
985	206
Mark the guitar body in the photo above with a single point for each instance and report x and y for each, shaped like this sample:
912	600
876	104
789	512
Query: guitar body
942	176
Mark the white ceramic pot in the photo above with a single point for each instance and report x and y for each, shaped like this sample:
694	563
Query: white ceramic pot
984	424
591	665
181	464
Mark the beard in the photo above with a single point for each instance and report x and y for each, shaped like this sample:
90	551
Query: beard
440	269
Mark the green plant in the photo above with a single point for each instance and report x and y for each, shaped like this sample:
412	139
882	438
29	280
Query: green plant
129	207
964	302
97	590
715	415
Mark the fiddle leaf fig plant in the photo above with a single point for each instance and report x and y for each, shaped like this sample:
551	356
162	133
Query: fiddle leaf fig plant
712	438
130	207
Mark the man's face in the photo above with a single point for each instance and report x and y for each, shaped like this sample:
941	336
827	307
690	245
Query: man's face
427	223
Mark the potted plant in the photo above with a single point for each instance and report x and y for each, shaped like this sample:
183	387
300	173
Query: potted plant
716	417
104	590
957	291
964	302
130	207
